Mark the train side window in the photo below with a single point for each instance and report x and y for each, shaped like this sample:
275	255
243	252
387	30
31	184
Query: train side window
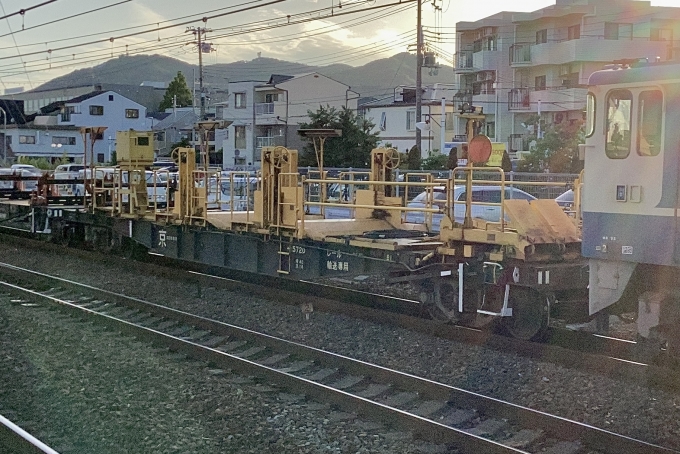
649	123
619	108
590	114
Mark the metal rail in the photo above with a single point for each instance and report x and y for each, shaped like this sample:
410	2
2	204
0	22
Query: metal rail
15	440
146	320
596	354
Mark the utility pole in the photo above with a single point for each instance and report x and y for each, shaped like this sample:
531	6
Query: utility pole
419	70
198	31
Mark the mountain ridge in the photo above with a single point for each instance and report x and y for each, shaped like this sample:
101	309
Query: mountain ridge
375	78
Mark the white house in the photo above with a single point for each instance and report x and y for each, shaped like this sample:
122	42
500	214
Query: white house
268	113
55	129
44	141
395	118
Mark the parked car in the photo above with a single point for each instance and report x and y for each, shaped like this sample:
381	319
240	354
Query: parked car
33	170
15	188
484	194
566	199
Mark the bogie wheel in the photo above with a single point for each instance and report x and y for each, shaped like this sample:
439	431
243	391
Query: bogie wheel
132	250
530	313
440	300
64	235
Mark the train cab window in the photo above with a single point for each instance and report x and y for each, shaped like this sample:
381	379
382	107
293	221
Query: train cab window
649	123
619	107
590	114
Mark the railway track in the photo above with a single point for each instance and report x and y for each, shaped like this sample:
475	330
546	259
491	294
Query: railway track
606	356
15	440
433	411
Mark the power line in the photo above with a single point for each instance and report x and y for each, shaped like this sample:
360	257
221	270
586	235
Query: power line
152	48
23	10
205	19
14	39
65	18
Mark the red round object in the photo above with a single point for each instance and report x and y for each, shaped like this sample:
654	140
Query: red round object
479	149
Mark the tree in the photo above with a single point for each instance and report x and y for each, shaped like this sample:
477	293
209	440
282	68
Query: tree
413	158
436	161
352	149
178	87
557	150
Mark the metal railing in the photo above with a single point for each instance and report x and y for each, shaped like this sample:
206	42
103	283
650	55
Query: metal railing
464	59
518	99
520	53
264	108
266	141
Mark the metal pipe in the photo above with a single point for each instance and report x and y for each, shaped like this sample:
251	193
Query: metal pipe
419	77
442	127
4	134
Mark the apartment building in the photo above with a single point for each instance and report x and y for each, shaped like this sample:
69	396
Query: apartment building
516	65
267	113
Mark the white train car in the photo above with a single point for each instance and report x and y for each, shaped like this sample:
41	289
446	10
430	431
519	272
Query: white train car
631	202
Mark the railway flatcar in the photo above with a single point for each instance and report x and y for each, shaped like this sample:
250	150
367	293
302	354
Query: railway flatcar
631	224
467	269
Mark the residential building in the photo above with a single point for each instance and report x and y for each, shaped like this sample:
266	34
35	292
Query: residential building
267	113
177	125
55	130
45	141
519	65
395	118
148	94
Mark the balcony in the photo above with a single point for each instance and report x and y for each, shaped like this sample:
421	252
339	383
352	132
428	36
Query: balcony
519	99
270	113
264	108
464	61
520	54
462	97
553	99
558	99
267	141
595	49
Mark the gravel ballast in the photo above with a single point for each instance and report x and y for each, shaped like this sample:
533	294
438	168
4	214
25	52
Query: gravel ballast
626	408
82	389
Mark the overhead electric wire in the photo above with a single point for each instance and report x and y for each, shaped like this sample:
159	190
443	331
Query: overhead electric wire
6	17
108	32
66	18
282	39
106	51
22	11
247	8
362	21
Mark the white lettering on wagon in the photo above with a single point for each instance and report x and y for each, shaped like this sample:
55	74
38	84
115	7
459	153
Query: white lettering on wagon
163	238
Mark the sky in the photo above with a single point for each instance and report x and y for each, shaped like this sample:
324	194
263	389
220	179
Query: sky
55	37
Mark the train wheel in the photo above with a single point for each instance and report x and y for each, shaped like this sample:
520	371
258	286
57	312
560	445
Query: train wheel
530	313
103	241
63	234
440	300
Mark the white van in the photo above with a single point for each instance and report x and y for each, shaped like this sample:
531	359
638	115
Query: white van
67	172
